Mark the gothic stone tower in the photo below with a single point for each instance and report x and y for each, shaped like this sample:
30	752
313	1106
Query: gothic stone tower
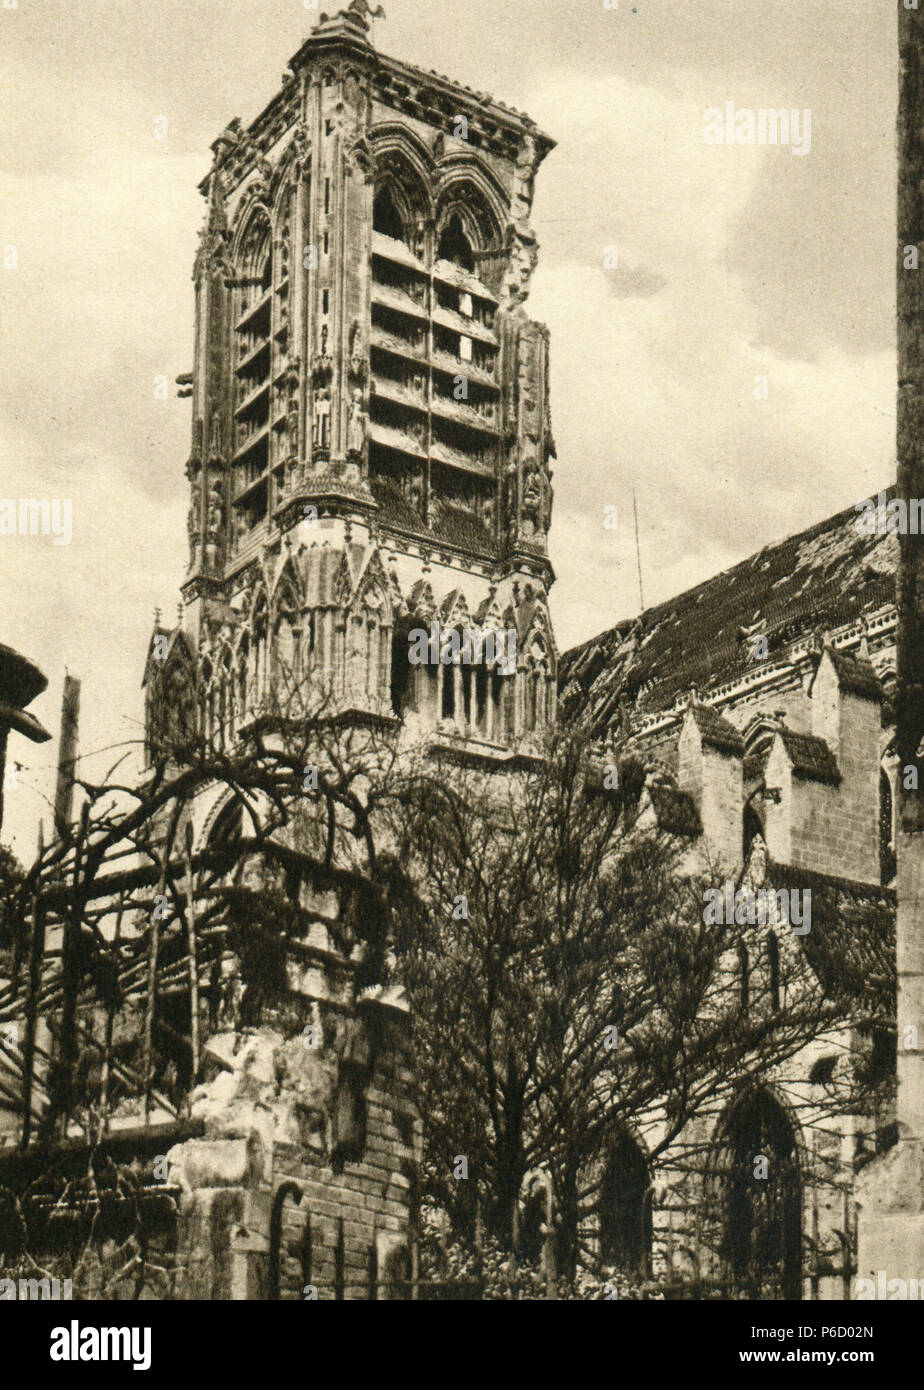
371	435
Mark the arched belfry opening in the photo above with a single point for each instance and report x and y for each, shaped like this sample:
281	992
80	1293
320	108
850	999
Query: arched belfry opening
455	247
385	216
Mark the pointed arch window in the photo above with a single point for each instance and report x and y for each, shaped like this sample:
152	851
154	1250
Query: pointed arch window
243	661
624	1208
253	324
497	704
385	216
205	702
286	655
448	700
751	828
466	711
400	671
227	831
758	1220
887	861
482	683
744	976
259	650
432	323
228	718
773	972
213	717
535	692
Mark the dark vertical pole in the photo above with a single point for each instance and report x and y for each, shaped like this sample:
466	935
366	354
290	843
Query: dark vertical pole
4	733
111	1004
21	945
153	960
33	985
67	755
70	970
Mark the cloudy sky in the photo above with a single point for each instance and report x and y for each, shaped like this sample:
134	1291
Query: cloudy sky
734	262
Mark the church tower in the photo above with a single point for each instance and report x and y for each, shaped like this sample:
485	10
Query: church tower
371	439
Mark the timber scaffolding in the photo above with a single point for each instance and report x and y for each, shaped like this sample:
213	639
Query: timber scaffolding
95	951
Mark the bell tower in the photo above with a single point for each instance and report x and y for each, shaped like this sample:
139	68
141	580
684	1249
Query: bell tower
371	439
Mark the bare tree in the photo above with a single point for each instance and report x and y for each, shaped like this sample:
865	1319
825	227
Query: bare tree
563	980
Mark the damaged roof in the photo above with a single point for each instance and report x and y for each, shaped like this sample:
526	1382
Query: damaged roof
827	575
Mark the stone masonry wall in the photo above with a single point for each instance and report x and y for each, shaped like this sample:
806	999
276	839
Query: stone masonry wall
338	1121
836	828
371	1196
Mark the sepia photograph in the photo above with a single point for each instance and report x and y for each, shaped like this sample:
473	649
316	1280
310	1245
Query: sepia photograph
462	668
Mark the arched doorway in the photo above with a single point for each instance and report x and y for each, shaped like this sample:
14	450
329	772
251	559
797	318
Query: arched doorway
757	1189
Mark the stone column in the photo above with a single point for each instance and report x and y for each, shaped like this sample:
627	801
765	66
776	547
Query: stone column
458	701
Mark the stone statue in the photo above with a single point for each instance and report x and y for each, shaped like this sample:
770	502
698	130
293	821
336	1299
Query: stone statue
194	520
357	360
301	148
547	494
215	437
523	257
214	519
532	503
524	180
293	472
356	438
216	510
510	496
292	425
321	432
